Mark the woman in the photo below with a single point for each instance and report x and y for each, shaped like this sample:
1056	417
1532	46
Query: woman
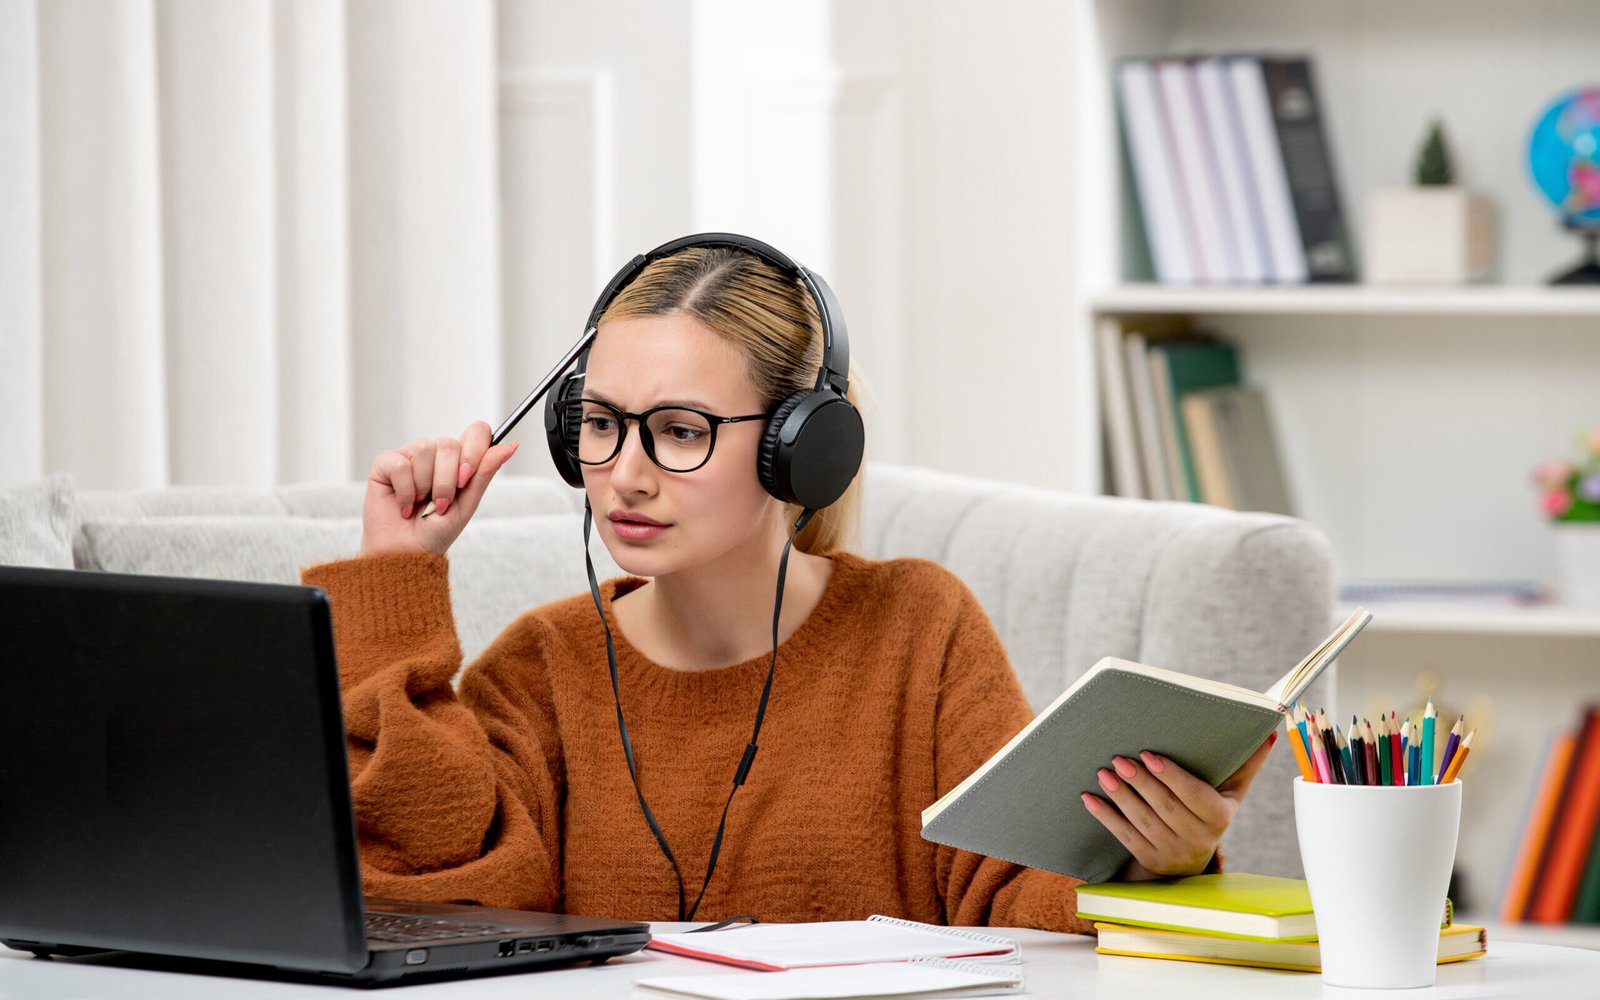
893	685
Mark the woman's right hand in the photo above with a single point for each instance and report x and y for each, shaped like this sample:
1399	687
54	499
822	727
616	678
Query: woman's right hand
454	472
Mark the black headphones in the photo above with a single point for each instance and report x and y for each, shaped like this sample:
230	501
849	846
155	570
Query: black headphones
813	442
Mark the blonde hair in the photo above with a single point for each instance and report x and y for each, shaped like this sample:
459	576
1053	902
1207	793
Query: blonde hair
770	317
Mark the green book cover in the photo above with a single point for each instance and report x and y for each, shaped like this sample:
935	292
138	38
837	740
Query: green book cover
1023	804
1190	365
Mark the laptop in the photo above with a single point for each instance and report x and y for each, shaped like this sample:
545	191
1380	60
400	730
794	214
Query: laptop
173	782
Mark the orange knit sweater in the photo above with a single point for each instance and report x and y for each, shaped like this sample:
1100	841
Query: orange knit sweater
513	791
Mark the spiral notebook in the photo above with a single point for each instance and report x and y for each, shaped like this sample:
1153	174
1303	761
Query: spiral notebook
921	978
777	947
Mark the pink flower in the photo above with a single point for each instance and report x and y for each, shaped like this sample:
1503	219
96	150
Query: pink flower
1557	502
1553	475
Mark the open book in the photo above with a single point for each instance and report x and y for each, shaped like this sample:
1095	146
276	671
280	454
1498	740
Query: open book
1023	803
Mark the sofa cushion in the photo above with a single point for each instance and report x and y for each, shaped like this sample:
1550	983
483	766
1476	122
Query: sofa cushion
36	523
499	567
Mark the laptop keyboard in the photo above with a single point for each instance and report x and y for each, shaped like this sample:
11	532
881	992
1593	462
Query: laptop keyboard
393	927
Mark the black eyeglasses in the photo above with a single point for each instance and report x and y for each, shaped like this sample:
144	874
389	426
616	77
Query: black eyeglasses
677	438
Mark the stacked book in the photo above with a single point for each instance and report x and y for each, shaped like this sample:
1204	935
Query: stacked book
1555	868
1229	919
1180	424
1232	170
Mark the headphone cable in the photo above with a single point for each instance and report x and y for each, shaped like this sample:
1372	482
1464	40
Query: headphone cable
622	726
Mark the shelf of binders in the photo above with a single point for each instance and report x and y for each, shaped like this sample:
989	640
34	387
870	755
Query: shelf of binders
1347	300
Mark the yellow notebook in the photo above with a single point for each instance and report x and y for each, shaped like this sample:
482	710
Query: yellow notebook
1233	904
1457	943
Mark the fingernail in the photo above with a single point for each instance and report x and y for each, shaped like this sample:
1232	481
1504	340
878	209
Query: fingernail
1107	780
406	514
1124	767
1273	739
1089	801
441	504
462	475
1152	762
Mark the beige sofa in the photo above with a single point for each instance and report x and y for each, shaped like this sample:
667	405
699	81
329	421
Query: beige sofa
1066	579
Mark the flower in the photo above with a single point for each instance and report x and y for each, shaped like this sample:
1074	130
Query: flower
1570	491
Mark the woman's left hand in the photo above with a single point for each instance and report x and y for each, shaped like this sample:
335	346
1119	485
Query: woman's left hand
1170	820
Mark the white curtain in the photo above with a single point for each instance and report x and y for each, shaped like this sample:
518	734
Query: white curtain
246	242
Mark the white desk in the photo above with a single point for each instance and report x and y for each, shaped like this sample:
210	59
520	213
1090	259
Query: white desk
1056	965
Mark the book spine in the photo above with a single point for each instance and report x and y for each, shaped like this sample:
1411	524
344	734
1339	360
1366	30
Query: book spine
1285	255
1233	169
1155	179
1197	173
1308	165
1116	409
1572	829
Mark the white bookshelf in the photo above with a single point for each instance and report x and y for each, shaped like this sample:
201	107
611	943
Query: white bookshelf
1409	419
1515	302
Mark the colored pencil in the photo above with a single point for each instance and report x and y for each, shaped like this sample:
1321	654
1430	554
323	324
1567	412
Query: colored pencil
1429	720
1319	754
1370	746
1331	745
1414	766
1344	757
1450	745
1385	752
1459	759
1358	757
1397	761
1297	743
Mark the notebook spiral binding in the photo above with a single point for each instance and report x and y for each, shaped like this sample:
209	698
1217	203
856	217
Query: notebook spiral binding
984	970
977	937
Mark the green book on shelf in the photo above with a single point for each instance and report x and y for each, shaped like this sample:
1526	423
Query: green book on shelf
1231	904
1184	366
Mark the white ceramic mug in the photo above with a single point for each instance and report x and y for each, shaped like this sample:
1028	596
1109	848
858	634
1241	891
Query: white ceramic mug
1377	861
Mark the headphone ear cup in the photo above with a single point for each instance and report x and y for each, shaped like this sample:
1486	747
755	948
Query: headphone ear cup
767	457
811	449
556	436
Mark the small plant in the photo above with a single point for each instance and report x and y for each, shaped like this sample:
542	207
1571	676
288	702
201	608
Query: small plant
1433	166
1570	491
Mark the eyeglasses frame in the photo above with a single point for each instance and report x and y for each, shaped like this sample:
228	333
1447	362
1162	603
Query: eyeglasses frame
712	419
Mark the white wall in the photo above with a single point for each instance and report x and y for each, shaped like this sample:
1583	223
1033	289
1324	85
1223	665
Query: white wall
976	264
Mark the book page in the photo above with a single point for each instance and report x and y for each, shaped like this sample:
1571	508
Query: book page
1294	683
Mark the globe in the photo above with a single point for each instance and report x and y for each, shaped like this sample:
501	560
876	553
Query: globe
1564	155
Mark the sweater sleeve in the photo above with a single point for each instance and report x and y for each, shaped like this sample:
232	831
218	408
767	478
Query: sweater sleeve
981	706
456	799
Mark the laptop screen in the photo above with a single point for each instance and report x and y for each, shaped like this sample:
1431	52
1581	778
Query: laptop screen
172	771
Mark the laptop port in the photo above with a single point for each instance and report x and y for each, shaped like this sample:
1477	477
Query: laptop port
545	945
524	947
507	949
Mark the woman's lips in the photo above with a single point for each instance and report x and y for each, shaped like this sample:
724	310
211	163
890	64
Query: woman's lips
635	527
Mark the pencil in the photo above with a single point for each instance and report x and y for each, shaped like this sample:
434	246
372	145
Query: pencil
1397	762
1331	746
1450	747
1459	759
1385	752
1358	753
1297	743
1369	744
1407	731
1414	766
1345	759
1319	753
1299	711
1425	777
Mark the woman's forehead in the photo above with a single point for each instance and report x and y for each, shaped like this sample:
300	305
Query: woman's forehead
643	361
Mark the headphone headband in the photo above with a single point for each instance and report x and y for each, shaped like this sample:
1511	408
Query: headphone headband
835	369
814	439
